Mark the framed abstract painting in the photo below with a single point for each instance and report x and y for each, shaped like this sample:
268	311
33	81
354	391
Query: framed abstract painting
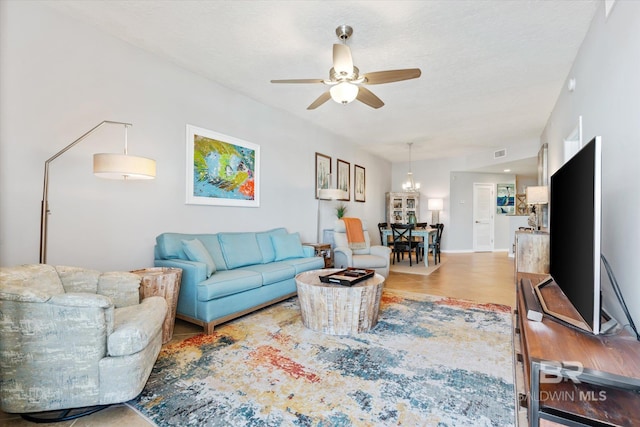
359	183
221	170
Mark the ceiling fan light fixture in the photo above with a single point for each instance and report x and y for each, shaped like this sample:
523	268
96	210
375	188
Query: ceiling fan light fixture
344	93
345	79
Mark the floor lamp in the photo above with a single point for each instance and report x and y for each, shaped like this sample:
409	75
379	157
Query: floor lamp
105	165
328	194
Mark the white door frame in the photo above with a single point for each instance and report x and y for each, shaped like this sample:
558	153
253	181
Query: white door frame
484	217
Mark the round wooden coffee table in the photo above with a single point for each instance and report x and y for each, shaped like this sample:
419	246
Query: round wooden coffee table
336	309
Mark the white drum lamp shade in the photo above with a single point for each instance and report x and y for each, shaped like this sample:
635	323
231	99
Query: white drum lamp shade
537	195
435	204
332	194
122	166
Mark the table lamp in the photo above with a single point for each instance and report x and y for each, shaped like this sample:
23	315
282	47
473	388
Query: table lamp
435	206
536	196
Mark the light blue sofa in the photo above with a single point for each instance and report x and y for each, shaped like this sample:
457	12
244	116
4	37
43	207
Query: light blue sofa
227	275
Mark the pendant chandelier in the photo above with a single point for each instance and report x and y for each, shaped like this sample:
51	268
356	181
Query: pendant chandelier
410	184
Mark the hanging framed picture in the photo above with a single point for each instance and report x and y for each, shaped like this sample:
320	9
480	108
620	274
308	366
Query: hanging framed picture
505	201
221	170
344	178
358	183
323	173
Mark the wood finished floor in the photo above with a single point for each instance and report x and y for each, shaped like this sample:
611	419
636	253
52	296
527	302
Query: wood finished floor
480	277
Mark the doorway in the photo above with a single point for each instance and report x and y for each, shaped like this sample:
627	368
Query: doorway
483	217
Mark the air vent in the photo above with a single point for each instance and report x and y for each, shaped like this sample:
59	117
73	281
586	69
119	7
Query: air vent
500	153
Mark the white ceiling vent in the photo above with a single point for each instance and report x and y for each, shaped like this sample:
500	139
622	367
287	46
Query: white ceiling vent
500	153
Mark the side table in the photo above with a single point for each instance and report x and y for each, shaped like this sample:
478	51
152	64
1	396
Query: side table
164	282
323	250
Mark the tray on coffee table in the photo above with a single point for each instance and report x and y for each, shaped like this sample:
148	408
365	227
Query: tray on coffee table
347	277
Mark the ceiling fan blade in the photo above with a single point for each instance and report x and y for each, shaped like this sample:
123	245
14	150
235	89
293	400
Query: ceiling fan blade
298	81
367	97
342	61
379	77
320	100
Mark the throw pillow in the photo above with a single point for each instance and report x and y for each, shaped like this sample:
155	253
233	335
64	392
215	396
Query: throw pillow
287	246
240	249
196	251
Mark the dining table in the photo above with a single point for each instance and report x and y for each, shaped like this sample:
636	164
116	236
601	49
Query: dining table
427	233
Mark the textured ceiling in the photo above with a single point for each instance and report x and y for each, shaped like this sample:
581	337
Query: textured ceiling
491	70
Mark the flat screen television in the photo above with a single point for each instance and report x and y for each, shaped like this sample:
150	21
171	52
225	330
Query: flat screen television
574	221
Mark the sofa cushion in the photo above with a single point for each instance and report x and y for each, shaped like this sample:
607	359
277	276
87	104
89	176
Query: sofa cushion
29	282
266	246
77	279
228	282
212	245
369	261
305	264
196	251
287	246
240	249
121	286
273	272
169	245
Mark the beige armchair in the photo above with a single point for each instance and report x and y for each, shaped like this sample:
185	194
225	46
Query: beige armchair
74	338
371	257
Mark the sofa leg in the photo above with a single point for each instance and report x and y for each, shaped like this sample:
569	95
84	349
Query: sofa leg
208	328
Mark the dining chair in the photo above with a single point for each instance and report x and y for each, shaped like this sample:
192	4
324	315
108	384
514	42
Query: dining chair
420	241
434	246
382	226
403	241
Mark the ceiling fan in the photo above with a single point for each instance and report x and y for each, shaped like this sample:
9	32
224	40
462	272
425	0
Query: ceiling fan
345	80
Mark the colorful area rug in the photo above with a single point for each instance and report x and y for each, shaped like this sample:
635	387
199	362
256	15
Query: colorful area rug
430	361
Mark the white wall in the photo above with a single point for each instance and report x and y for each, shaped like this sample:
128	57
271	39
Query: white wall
60	77
607	94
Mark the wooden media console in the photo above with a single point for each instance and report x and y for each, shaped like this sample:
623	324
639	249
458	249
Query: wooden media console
572	377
